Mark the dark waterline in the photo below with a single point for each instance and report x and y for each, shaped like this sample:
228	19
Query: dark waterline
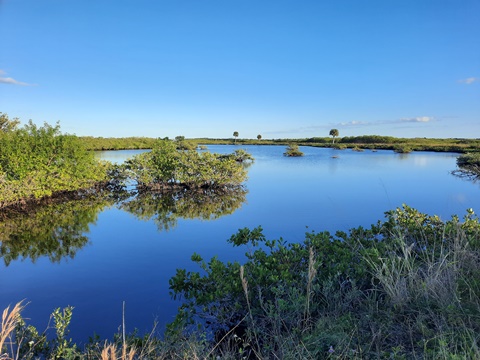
128	258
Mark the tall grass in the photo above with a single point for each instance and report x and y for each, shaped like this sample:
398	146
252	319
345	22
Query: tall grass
10	319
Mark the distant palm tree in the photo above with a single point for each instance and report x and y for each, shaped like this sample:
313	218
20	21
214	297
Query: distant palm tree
259	137
334	133
235	135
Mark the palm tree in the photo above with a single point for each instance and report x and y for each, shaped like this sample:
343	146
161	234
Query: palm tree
334	133
235	135
259	137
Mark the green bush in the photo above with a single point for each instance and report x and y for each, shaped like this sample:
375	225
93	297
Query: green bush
369	139
406	287
101	143
402	149
292	151
165	166
469	160
37	162
468	166
339	146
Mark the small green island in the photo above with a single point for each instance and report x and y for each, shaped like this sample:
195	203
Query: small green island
293	151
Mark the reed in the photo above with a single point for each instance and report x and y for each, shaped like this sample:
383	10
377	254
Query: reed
312	272
110	352
10	319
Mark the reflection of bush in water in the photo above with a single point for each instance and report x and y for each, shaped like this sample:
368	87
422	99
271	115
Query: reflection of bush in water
55	230
168	207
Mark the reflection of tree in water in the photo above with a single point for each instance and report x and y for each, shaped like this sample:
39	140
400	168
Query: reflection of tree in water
467	174
167	207
55	231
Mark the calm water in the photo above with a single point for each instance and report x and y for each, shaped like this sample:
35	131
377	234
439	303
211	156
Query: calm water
95	255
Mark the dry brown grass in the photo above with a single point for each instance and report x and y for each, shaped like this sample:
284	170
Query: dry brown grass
312	272
10	320
109	352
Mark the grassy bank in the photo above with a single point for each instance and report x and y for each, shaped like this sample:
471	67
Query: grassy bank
366	142
359	142
406	288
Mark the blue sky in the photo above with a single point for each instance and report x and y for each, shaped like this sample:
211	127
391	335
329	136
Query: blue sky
207	68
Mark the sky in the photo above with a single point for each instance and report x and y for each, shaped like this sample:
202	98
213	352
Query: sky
278	68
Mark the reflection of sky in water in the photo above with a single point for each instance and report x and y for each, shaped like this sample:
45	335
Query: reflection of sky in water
420	160
460	198
117	157
130	260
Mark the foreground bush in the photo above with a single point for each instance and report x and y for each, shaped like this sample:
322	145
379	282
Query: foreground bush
407	287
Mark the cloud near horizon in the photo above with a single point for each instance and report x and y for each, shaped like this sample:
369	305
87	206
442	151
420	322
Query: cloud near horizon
354	123
421	119
11	81
418	119
469	80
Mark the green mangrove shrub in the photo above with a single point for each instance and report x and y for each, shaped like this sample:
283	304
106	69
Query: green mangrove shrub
293	150
370	139
402	149
183	144
165	166
240	155
37	162
469	163
406	287
101	143
339	146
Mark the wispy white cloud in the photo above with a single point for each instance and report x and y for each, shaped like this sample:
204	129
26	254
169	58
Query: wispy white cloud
354	123
11	81
420	119
469	80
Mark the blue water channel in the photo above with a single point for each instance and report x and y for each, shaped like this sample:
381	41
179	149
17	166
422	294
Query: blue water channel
129	256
